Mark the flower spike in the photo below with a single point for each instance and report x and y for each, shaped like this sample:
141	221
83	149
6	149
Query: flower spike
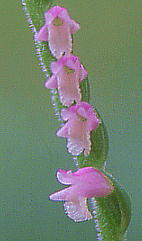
85	183
81	120
57	30
68	72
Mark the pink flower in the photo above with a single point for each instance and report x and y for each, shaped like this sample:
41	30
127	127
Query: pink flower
81	120
57	31
68	72
85	183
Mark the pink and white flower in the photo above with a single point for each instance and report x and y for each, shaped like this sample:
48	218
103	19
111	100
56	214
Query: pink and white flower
85	183
57	30
80	119
68	72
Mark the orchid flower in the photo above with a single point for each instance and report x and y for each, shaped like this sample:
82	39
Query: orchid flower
81	120
85	183
68	72
57	30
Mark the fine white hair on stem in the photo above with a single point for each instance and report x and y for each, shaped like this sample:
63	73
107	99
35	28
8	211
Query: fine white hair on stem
94	213
38	44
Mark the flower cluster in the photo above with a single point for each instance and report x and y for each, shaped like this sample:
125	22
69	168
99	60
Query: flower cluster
79	117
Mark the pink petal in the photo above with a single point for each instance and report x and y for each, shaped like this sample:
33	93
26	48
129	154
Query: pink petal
60	41
65	114
78	211
72	62
84	171
67	60
68	87
72	110
93	121
65	177
89	113
93	124
56	67
62	195
82	112
51	82
96	184
65	15
63	131
52	13
74	26
42	34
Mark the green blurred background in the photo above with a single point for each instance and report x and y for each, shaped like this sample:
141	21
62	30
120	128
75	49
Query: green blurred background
110	46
